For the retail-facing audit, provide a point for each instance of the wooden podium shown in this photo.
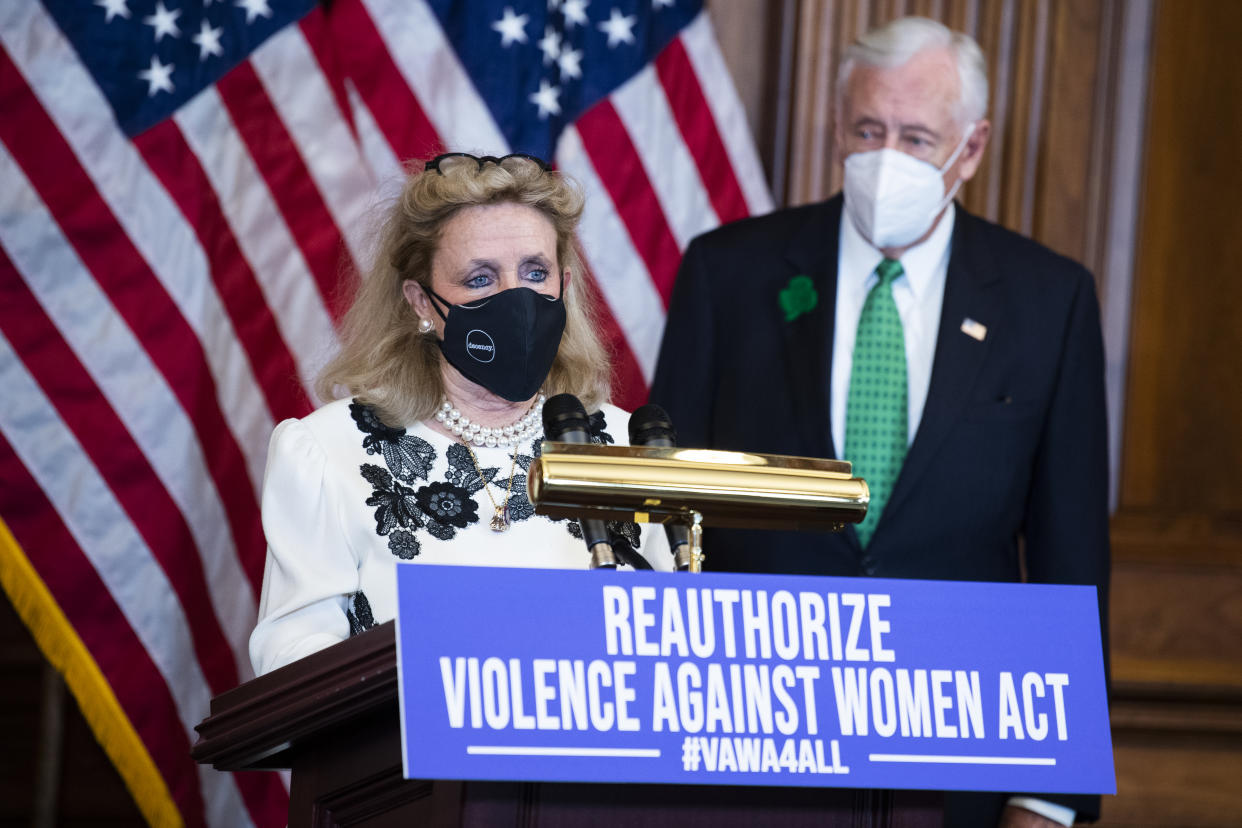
(332, 719)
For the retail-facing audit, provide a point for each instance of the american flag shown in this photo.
(182, 186)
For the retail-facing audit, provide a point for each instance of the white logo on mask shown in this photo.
(892, 197)
(480, 346)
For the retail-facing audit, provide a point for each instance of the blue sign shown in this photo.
(549, 675)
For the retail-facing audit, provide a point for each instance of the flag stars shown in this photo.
(164, 22)
(113, 8)
(570, 63)
(512, 27)
(547, 99)
(254, 9)
(575, 12)
(550, 45)
(619, 28)
(158, 77)
(208, 41)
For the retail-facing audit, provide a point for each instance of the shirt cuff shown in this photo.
(1049, 810)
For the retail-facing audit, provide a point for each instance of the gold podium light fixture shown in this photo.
(727, 488)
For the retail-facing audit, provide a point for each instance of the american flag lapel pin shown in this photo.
(973, 329)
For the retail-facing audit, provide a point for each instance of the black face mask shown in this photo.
(506, 342)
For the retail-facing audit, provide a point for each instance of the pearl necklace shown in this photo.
(511, 435)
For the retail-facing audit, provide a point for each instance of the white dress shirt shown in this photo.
(918, 293)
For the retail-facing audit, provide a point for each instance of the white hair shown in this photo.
(893, 44)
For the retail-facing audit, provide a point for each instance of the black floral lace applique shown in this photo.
(370, 424)
(448, 504)
(359, 614)
(408, 458)
(520, 507)
(402, 507)
(596, 426)
(396, 506)
(626, 529)
(462, 471)
(618, 531)
(439, 508)
(404, 545)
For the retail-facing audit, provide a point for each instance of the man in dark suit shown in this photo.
(958, 365)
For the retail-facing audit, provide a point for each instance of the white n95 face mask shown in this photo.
(892, 197)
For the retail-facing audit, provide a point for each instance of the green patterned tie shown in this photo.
(875, 416)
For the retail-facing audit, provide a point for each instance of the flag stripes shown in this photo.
(412, 37)
(297, 88)
(712, 76)
(121, 376)
(631, 296)
(690, 112)
(167, 298)
(64, 93)
(620, 169)
(297, 199)
(317, 32)
(132, 289)
(289, 286)
(389, 99)
(652, 124)
(123, 467)
(169, 157)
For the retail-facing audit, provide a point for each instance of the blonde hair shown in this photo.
(385, 361)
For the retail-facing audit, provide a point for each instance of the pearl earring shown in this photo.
(425, 325)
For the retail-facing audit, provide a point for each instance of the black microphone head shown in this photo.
(650, 426)
(562, 414)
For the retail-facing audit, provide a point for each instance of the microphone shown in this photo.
(565, 421)
(650, 426)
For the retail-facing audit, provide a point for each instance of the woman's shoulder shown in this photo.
(350, 418)
(310, 441)
(329, 415)
(344, 425)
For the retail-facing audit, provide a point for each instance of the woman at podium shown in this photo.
(472, 315)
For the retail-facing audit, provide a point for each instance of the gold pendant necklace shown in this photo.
(500, 516)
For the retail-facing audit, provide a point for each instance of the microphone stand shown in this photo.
(690, 557)
(602, 556)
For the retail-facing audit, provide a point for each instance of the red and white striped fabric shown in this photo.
(166, 299)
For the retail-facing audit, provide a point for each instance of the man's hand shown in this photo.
(1015, 817)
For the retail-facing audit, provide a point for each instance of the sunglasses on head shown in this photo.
(450, 158)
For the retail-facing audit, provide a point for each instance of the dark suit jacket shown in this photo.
(1012, 443)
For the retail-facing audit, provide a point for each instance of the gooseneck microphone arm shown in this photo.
(650, 426)
(565, 421)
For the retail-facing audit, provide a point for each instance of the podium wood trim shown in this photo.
(254, 726)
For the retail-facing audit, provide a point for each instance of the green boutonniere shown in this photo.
(798, 297)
